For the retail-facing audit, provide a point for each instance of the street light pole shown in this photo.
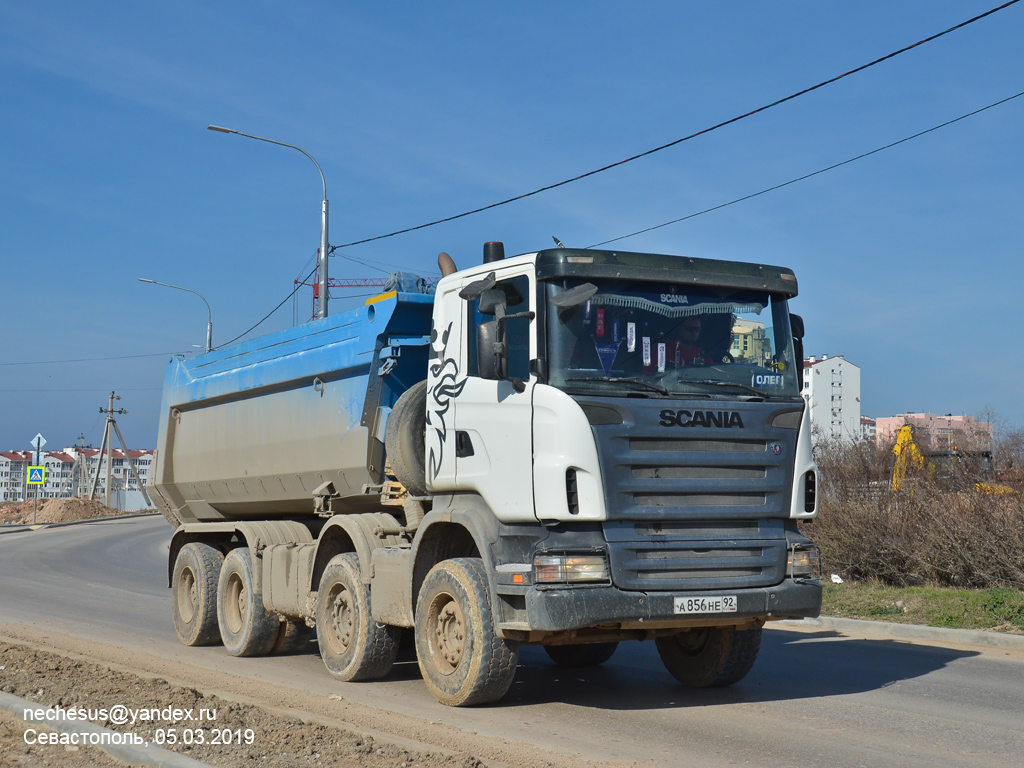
(321, 310)
(209, 314)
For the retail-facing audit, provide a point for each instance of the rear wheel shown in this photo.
(292, 637)
(194, 594)
(590, 655)
(710, 657)
(352, 645)
(462, 659)
(246, 627)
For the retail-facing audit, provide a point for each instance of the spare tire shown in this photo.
(406, 439)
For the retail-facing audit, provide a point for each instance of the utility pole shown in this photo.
(109, 430)
(75, 485)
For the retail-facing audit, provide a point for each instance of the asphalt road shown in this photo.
(813, 699)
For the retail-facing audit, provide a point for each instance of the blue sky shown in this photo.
(909, 261)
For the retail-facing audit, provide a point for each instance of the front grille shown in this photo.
(696, 508)
(699, 499)
(656, 556)
(686, 444)
(657, 472)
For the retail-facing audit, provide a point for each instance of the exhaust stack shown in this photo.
(493, 251)
(446, 264)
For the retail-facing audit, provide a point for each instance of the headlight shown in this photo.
(803, 562)
(570, 569)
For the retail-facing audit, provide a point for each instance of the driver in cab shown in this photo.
(686, 349)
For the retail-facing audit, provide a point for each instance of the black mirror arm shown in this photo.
(519, 316)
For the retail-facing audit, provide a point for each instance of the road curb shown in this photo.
(40, 526)
(152, 755)
(912, 632)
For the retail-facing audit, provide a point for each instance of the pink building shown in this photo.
(937, 433)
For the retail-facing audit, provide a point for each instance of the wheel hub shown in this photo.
(342, 620)
(188, 595)
(450, 634)
(236, 604)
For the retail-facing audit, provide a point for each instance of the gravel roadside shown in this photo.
(233, 735)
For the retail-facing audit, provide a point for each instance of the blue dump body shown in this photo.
(251, 430)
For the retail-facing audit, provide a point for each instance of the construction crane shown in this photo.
(346, 282)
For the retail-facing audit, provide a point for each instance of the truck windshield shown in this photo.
(669, 339)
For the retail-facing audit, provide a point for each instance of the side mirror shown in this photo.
(490, 361)
(490, 301)
(575, 296)
(796, 324)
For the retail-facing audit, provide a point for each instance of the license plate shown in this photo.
(723, 604)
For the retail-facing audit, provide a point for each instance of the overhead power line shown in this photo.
(271, 312)
(91, 359)
(97, 389)
(809, 175)
(715, 127)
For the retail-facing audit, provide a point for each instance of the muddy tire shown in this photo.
(590, 655)
(292, 637)
(710, 657)
(246, 627)
(352, 645)
(406, 439)
(194, 594)
(461, 658)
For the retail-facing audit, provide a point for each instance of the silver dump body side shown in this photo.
(251, 430)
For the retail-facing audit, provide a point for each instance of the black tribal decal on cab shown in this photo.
(445, 371)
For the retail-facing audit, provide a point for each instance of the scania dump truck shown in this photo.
(569, 448)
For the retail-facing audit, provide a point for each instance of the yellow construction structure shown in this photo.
(906, 453)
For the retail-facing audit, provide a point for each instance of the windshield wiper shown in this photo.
(717, 383)
(650, 386)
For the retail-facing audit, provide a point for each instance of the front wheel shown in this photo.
(352, 645)
(461, 658)
(710, 657)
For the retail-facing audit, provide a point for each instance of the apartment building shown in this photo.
(938, 434)
(70, 472)
(832, 392)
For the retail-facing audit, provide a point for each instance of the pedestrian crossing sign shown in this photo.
(36, 475)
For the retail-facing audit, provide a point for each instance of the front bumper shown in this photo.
(554, 609)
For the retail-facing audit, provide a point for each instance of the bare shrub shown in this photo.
(938, 529)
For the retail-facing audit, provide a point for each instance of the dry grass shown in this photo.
(935, 531)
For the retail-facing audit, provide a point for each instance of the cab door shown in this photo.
(493, 422)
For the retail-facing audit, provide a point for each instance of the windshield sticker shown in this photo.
(615, 331)
(631, 337)
(607, 356)
(661, 357)
(647, 350)
(586, 313)
(599, 328)
(768, 380)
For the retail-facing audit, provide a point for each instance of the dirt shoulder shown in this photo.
(15, 753)
(54, 511)
(246, 735)
(291, 728)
